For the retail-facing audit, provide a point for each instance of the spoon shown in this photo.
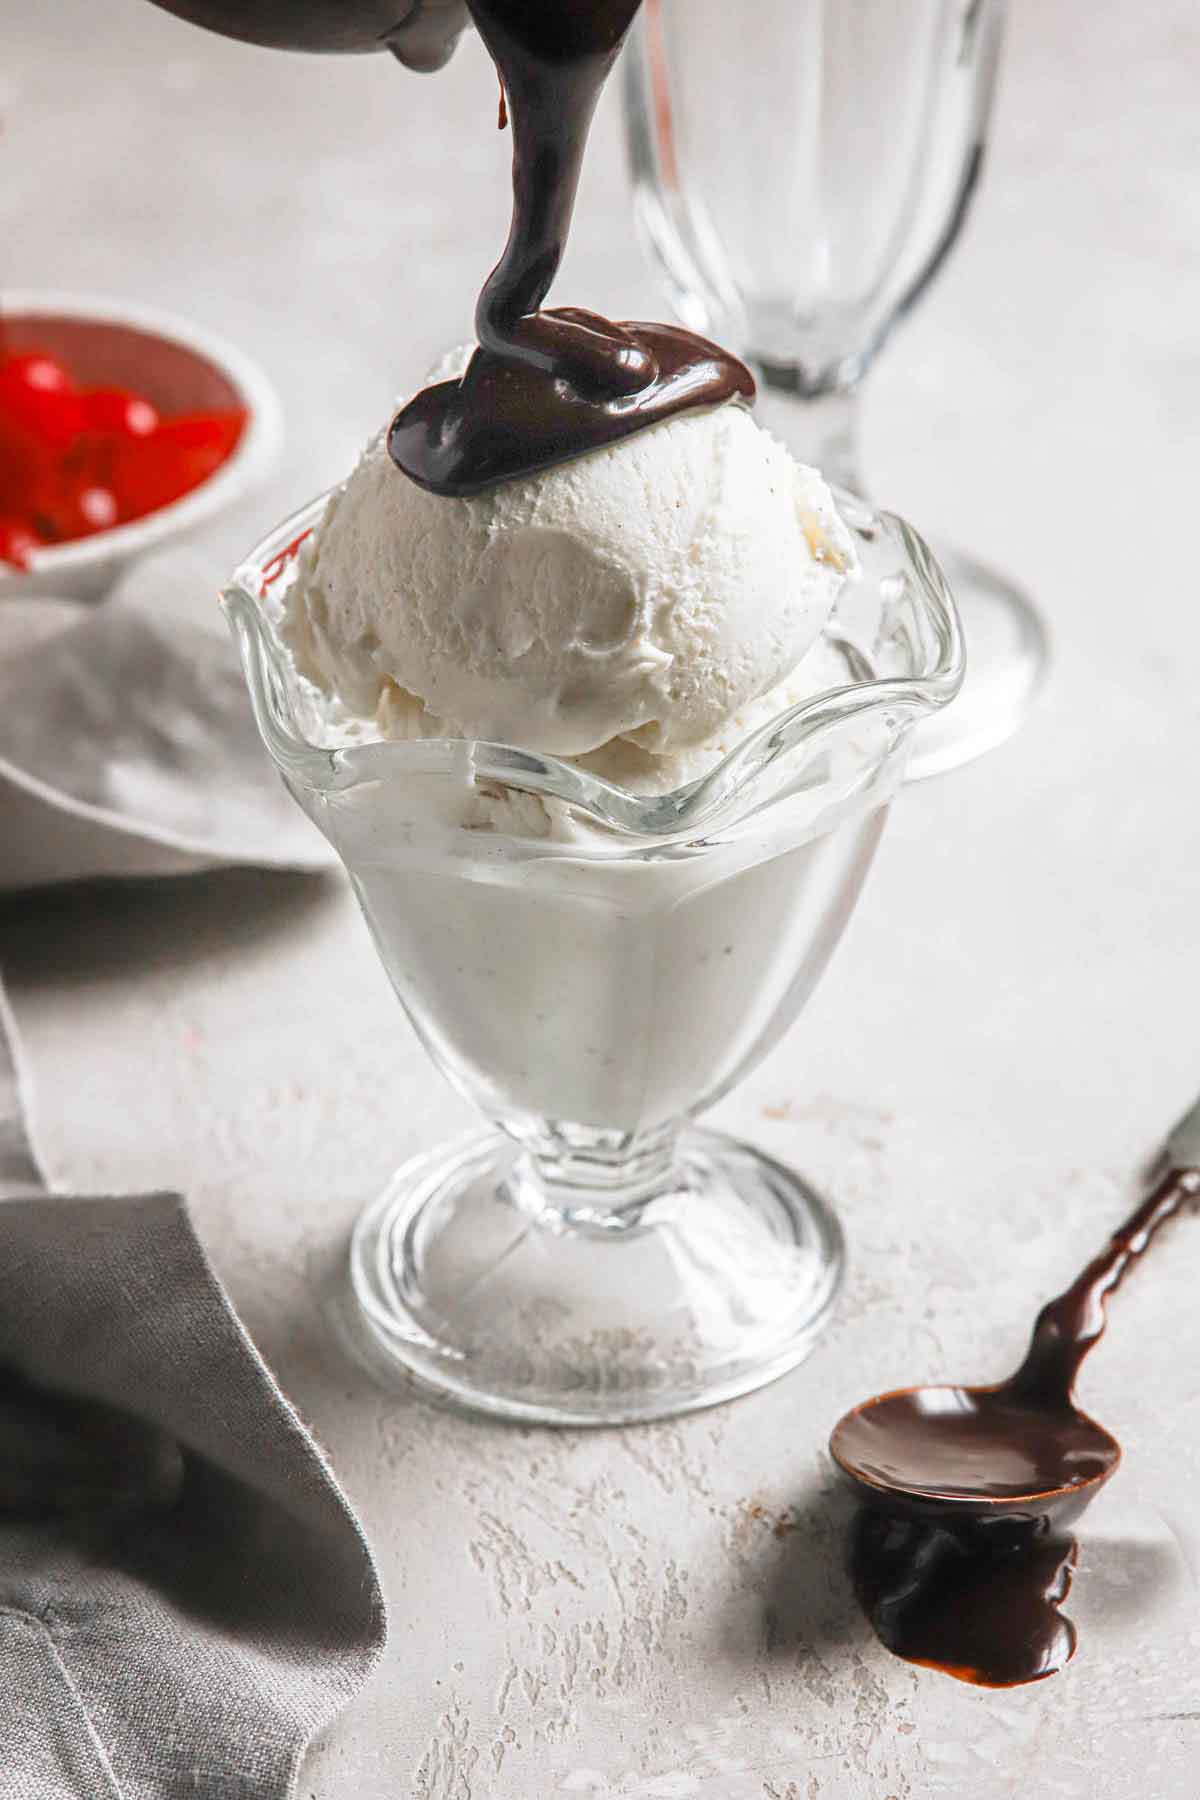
(961, 1554)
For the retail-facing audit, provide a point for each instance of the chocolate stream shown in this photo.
(547, 386)
(544, 386)
(1070, 1325)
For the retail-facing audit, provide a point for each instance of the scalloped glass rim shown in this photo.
(936, 652)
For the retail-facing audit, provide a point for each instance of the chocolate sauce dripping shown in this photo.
(962, 1553)
(979, 1602)
(545, 386)
(1070, 1325)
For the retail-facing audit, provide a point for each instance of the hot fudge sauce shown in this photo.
(543, 386)
(962, 1553)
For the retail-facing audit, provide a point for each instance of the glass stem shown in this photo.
(575, 1178)
(820, 429)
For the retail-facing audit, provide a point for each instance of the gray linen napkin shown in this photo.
(185, 1596)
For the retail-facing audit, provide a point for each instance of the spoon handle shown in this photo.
(1069, 1325)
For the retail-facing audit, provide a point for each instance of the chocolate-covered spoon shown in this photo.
(961, 1553)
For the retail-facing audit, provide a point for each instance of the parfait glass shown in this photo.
(594, 967)
(801, 170)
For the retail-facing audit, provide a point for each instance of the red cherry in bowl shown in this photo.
(38, 402)
(85, 450)
(115, 412)
(152, 471)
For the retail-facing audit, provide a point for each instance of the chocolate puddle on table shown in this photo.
(963, 1552)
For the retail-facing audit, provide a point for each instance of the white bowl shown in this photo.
(179, 367)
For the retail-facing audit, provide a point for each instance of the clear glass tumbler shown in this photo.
(594, 967)
(801, 170)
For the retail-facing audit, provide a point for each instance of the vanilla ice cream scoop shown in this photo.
(647, 591)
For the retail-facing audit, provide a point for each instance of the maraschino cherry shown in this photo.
(76, 461)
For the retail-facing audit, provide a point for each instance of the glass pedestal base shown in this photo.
(1007, 656)
(715, 1285)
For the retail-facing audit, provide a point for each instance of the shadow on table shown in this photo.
(115, 928)
(1123, 1581)
(795, 1603)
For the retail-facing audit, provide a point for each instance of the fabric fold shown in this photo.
(190, 1630)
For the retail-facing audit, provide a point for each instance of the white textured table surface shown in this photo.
(1011, 1022)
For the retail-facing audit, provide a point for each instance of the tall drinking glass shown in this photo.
(801, 170)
